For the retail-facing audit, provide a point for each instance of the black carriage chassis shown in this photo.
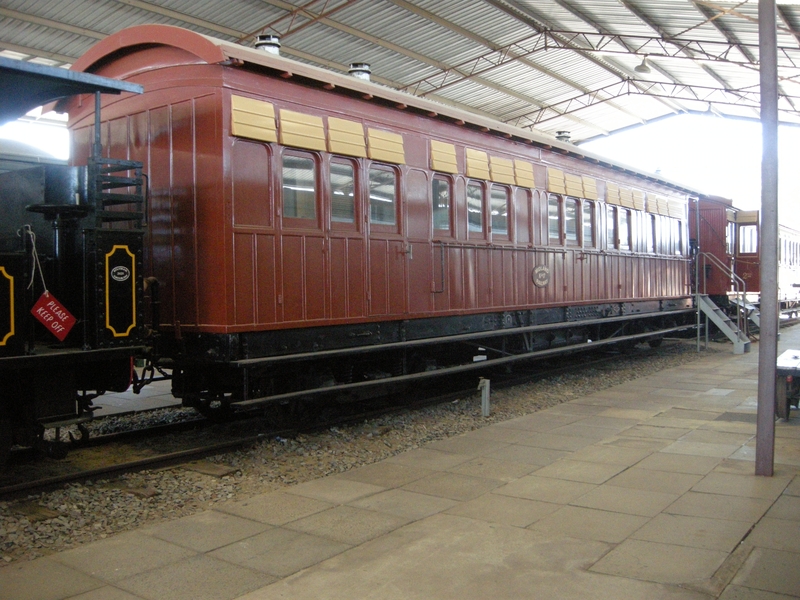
(233, 368)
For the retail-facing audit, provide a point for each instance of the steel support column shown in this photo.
(768, 343)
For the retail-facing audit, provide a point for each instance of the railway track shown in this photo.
(168, 445)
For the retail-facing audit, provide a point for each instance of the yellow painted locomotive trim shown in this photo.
(11, 304)
(133, 291)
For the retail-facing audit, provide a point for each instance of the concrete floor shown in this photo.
(643, 491)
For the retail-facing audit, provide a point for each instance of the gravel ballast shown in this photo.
(79, 513)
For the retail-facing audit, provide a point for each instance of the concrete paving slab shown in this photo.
(655, 481)
(624, 500)
(528, 455)
(453, 486)
(451, 558)
(674, 463)
(205, 531)
(634, 414)
(196, 578)
(106, 593)
(385, 474)
(585, 431)
(552, 441)
(697, 532)
(701, 449)
(709, 436)
(590, 524)
(422, 458)
(612, 455)
(676, 423)
(729, 484)
(348, 525)
(793, 489)
(280, 552)
(604, 421)
(577, 470)
(275, 508)
(43, 579)
(336, 490)
(645, 430)
(496, 508)
(575, 408)
(123, 555)
(545, 489)
(771, 571)
(541, 422)
(490, 468)
(650, 445)
(663, 563)
(735, 592)
(405, 504)
(785, 507)
(719, 506)
(778, 534)
(467, 444)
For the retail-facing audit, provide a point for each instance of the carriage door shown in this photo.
(387, 248)
(747, 259)
(418, 257)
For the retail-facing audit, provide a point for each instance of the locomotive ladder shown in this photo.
(106, 178)
(741, 343)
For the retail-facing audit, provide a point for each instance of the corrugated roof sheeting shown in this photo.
(478, 44)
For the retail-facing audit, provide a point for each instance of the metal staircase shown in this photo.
(750, 311)
(741, 343)
(736, 332)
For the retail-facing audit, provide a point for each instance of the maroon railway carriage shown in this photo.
(311, 230)
(729, 253)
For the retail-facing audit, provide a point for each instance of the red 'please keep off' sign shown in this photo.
(50, 313)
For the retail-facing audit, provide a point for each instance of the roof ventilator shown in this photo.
(268, 43)
(360, 70)
(563, 136)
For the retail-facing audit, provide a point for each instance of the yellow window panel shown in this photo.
(612, 193)
(346, 137)
(731, 216)
(638, 199)
(663, 206)
(747, 216)
(477, 164)
(253, 119)
(302, 131)
(555, 181)
(443, 157)
(502, 170)
(524, 174)
(589, 188)
(573, 185)
(677, 209)
(652, 204)
(386, 146)
(626, 197)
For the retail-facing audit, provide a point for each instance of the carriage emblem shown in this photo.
(540, 275)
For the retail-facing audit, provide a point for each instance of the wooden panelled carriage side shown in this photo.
(314, 231)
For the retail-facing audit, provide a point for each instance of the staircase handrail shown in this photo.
(739, 285)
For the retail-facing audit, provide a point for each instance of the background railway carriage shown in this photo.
(312, 230)
(729, 254)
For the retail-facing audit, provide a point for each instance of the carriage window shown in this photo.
(475, 207)
(651, 228)
(441, 203)
(571, 220)
(624, 229)
(342, 192)
(748, 239)
(677, 236)
(553, 219)
(382, 196)
(499, 211)
(730, 236)
(588, 224)
(611, 227)
(299, 188)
